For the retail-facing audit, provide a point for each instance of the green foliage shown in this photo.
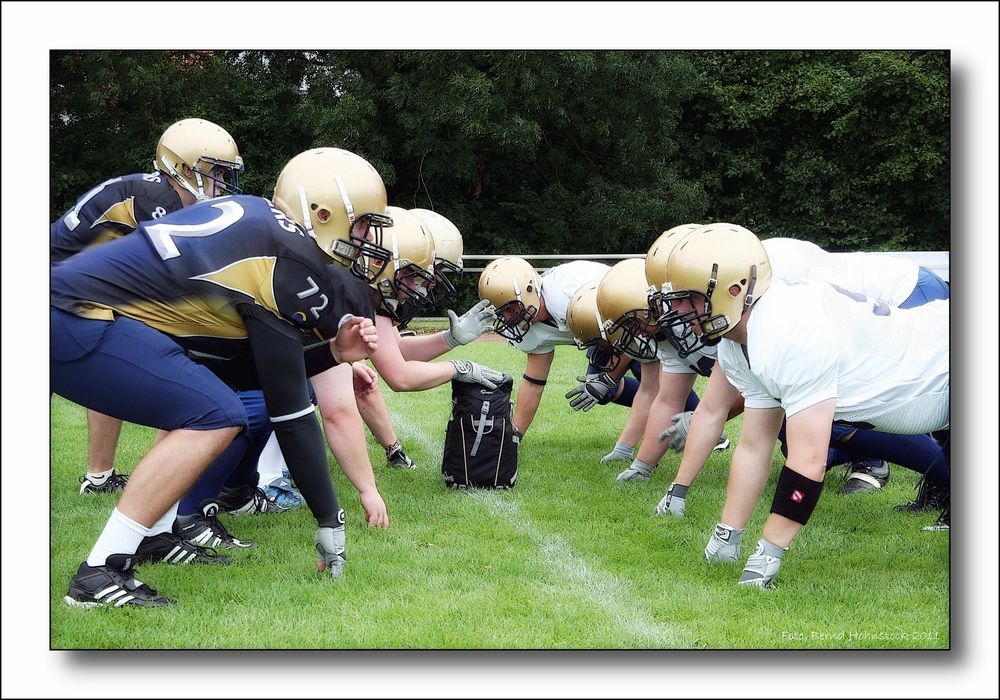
(554, 151)
(567, 559)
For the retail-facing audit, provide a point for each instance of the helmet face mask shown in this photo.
(622, 301)
(634, 335)
(363, 250)
(678, 323)
(513, 320)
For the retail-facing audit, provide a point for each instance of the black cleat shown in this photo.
(171, 549)
(205, 530)
(115, 482)
(247, 500)
(942, 524)
(113, 585)
(931, 495)
(395, 457)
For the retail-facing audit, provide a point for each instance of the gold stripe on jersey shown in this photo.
(210, 316)
(106, 235)
(121, 213)
(251, 276)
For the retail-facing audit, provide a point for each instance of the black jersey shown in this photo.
(188, 273)
(111, 210)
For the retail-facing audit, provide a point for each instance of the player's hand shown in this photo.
(375, 510)
(365, 379)
(673, 502)
(355, 340)
(678, 432)
(470, 325)
(594, 388)
(621, 453)
(474, 373)
(331, 551)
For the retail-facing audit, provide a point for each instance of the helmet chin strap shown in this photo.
(199, 195)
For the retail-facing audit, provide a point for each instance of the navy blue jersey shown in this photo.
(111, 210)
(193, 273)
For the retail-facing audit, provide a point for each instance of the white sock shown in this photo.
(270, 463)
(121, 535)
(166, 523)
(98, 478)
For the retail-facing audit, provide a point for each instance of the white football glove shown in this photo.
(678, 432)
(592, 390)
(331, 550)
(473, 373)
(470, 325)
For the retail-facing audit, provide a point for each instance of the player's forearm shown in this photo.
(423, 347)
(416, 376)
(529, 396)
(638, 417)
(345, 434)
(703, 436)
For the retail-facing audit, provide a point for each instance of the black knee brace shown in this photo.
(796, 496)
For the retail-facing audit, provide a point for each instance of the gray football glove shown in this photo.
(673, 502)
(637, 471)
(592, 390)
(724, 544)
(621, 453)
(473, 373)
(331, 552)
(678, 432)
(470, 325)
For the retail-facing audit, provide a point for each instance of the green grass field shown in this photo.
(568, 559)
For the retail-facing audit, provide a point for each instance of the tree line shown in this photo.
(553, 151)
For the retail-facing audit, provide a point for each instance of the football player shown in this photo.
(531, 314)
(210, 280)
(895, 282)
(195, 160)
(814, 353)
(622, 300)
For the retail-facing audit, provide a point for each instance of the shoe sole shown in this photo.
(90, 605)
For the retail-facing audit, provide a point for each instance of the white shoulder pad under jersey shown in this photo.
(883, 277)
(559, 284)
(698, 362)
(809, 341)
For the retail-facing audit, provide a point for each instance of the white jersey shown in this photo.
(559, 284)
(809, 341)
(883, 277)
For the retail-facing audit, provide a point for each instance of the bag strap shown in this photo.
(481, 429)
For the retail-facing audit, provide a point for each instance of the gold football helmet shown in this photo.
(724, 268)
(447, 255)
(207, 149)
(656, 263)
(340, 200)
(622, 302)
(403, 282)
(515, 290)
(587, 326)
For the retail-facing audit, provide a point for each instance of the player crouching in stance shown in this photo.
(212, 280)
(806, 350)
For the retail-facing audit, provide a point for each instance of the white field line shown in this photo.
(601, 588)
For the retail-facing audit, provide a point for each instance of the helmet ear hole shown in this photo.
(323, 215)
(735, 289)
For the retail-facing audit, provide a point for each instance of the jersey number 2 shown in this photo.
(162, 235)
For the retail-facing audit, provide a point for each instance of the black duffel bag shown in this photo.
(480, 447)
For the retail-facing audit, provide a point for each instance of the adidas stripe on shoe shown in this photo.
(96, 586)
(171, 549)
